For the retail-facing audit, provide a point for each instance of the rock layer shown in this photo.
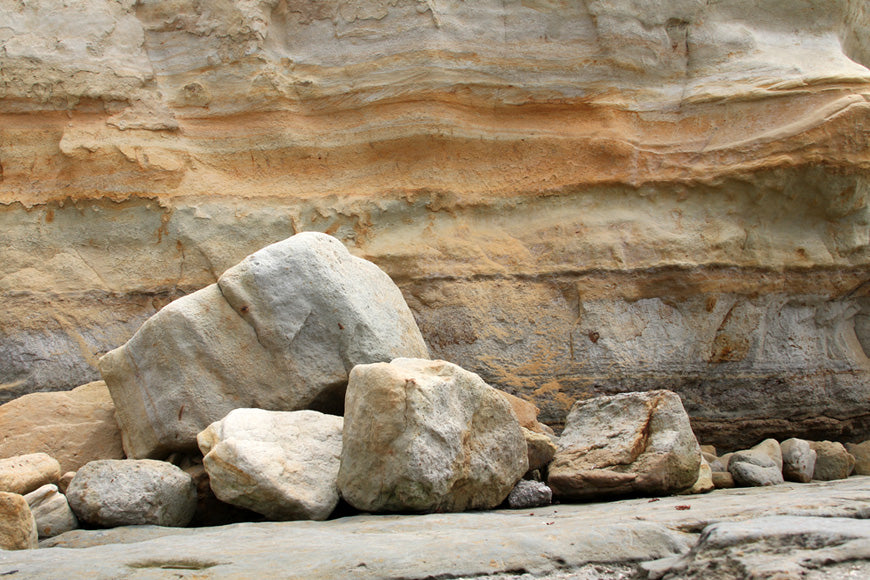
(575, 198)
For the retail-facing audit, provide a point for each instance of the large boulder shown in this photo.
(17, 526)
(631, 443)
(24, 473)
(51, 511)
(281, 331)
(283, 465)
(127, 492)
(74, 427)
(427, 436)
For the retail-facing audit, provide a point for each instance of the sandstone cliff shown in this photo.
(575, 197)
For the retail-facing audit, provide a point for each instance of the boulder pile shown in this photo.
(300, 380)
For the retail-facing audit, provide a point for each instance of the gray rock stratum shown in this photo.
(575, 198)
(542, 541)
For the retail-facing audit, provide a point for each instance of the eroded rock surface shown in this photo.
(17, 526)
(25, 473)
(630, 443)
(51, 511)
(569, 195)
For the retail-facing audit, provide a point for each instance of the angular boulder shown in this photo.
(24, 473)
(427, 436)
(761, 465)
(17, 526)
(832, 461)
(51, 511)
(631, 443)
(280, 331)
(798, 460)
(74, 427)
(283, 465)
(128, 492)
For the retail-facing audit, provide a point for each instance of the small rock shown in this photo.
(705, 480)
(832, 461)
(798, 460)
(74, 427)
(121, 492)
(51, 511)
(761, 465)
(861, 453)
(709, 449)
(721, 463)
(723, 479)
(283, 465)
(25, 473)
(527, 413)
(427, 436)
(628, 443)
(65, 480)
(530, 494)
(540, 447)
(17, 526)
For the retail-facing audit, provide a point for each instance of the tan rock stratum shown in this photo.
(575, 197)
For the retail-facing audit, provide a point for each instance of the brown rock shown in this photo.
(17, 526)
(527, 414)
(25, 473)
(861, 453)
(74, 427)
(722, 479)
(832, 460)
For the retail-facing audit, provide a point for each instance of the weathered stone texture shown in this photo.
(575, 198)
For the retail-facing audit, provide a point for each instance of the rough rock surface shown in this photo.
(704, 482)
(541, 449)
(51, 511)
(427, 436)
(529, 494)
(568, 194)
(760, 465)
(798, 460)
(73, 427)
(24, 473)
(544, 541)
(832, 460)
(861, 453)
(280, 330)
(283, 465)
(628, 443)
(17, 526)
(775, 547)
(114, 492)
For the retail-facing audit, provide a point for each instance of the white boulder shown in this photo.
(283, 465)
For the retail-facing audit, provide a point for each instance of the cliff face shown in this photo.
(575, 197)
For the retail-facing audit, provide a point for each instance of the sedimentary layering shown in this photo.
(575, 197)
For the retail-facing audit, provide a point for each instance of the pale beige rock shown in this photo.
(541, 449)
(832, 460)
(65, 480)
(722, 479)
(704, 483)
(861, 453)
(280, 331)
(17, 526)
(51, 511)
(627, 443)
(283, 465)
(799, 460)
(73, 427)
(25, 473)
(568, 194)
(427, 436)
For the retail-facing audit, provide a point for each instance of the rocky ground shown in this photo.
(816, 530)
